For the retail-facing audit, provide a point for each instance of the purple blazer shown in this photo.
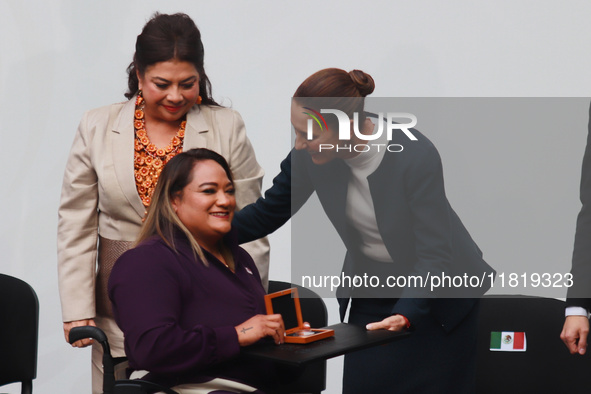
(178, 315)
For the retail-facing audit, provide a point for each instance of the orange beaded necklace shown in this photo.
(148, 159)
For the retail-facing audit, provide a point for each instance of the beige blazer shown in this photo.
(99, 194)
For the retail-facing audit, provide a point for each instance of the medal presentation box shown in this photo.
(287, 304)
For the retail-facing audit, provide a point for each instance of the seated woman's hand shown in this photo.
(261, 326)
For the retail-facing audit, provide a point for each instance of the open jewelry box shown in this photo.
(287, 304)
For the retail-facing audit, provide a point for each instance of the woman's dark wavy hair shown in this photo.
(167, 37)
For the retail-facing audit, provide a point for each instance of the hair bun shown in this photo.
(363, 81)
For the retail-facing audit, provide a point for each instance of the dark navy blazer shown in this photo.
(420, 230)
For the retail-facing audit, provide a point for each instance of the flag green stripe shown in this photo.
(495, 340)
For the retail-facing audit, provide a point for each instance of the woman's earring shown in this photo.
(199, 99)
(139, 93)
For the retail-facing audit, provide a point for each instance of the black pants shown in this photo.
(428, 361)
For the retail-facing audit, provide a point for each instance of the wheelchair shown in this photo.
(110, 385)
(308, 379)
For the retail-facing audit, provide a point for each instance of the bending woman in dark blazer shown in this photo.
(391, 211)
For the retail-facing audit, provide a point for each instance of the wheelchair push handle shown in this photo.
(78, 333)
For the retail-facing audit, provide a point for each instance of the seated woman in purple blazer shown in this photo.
(187, 297)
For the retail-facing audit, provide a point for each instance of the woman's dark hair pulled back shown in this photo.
(169, 37)
(335, 82)
(343, 90)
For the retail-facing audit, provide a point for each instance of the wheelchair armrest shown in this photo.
(139, 387)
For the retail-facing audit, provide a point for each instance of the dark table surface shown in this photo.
(347, 338)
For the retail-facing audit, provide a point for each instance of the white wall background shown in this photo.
(60, 58)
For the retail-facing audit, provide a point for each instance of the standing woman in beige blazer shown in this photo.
(117, 156)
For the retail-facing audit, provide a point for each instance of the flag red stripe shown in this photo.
(518, 341)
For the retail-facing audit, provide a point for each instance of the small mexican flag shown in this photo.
(507, 341)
